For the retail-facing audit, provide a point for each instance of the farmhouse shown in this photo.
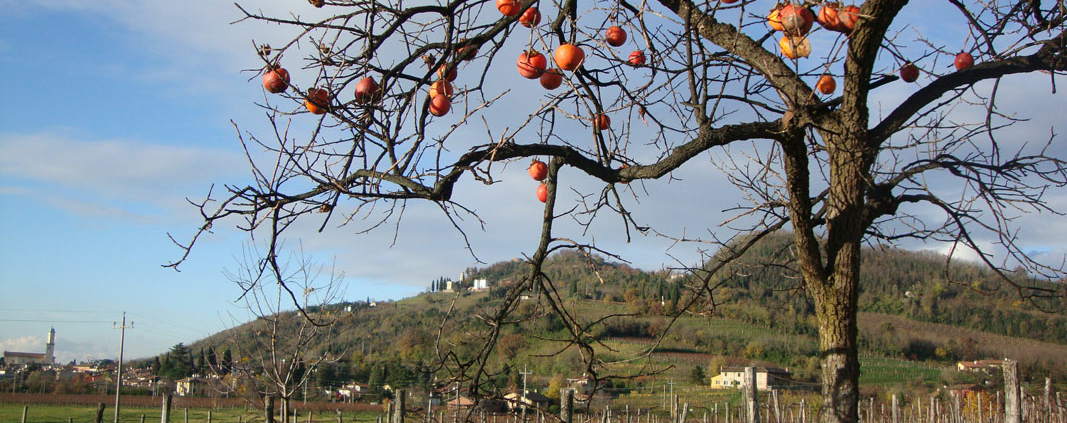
(530, 400)
(197, 386)
(352, 391)
(766, 378)
(985, 366)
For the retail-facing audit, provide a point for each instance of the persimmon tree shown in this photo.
(837, 167)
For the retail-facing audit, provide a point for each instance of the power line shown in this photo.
(57, 311)
(55, 321)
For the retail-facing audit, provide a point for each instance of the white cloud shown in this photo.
(81, 350)
(28, 343)
(107, 177)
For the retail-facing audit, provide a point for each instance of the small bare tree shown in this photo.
(277, 353)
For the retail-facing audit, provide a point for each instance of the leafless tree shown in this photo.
(831, 168)
(277, 353)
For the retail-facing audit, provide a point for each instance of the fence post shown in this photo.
(339, 418)
(896, 410)
(400, 402)
(164, 416)
(268, 409)
(25, 411)
(751, 401)
(100, 412)
(980, 411)
(777, 408)
(566, 406)
(1012, 404)
(1048, 399)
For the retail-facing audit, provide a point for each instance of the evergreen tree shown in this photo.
(164, 367)
(180, 363)
(227, 361)
(697, 375)
(199, 363)
(212, 360)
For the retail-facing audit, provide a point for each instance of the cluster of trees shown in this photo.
(181, 362)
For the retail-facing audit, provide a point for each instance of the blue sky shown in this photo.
(116, 111)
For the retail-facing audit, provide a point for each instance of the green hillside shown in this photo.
(916, 321)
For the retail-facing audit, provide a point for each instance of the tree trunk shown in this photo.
(840, 363)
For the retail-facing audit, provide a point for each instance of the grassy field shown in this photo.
(42, 413)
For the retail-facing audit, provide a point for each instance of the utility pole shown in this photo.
(122, 345)
(522, 399)
(673, 401)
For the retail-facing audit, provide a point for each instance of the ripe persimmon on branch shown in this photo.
(403, 86)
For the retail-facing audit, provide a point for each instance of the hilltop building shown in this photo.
(47, 358)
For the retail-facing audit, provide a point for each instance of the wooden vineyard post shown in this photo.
(777, 408)
(164, 416)
(100, 412)
(896, 410)
(980, 411)
(268, 409)
(566, 406)
(751, 401)
(1060, 408)
(1012, 403)
(401, 402)
(1048, 399)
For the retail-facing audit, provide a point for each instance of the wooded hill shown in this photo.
(913, 311)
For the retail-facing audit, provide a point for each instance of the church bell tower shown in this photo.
(50, 347)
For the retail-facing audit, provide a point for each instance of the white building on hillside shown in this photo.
(766, 378)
